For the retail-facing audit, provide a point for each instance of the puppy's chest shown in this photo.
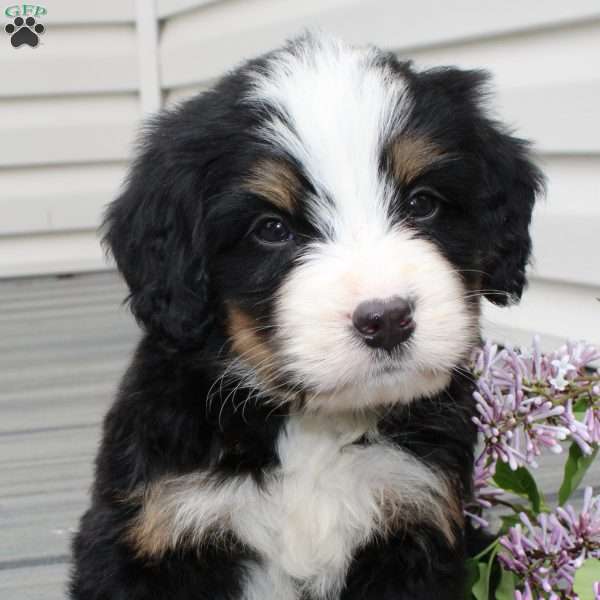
(331, 494)
(337, 486)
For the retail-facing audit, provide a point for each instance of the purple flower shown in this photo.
(516, 427)
(579, 431)
(562, 367)
(591, 420)
(546, 553)
(525, 400)
(529, 402)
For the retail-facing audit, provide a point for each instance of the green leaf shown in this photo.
(481, 589)
(506, 586)
(485, 551)
(472, 569)
(519, 482)
(576, 466)
(585, 577)
(580, 407)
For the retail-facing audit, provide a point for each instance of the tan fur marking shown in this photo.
(157, 527)
(455, 519)
(276, 182)
(411, 155)
(150, 531)
(247, 343)
(445, 513)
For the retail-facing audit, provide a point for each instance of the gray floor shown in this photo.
(63, 346)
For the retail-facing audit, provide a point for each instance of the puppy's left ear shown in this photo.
(511, 183)
(155, 232)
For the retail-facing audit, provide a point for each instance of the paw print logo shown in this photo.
(24, 32)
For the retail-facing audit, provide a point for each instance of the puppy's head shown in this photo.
(335, 216)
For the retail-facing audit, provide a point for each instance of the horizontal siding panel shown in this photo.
(67, 129)
(573, 184)
(566, 224)
(73, 60)
(200, 45)
(58, 198)
(555, 310)
(66, 252)
(397, 25)
(561, 119)
(564, 55)
(168, 8)
(74, 12)
(566, 247)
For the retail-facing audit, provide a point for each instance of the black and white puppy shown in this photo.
(306, 246)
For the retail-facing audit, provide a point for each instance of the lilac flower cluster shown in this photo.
(546, 553)
(529, 401)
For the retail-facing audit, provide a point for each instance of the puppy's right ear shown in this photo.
(155, 232)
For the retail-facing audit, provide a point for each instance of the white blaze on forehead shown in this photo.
(340, 106)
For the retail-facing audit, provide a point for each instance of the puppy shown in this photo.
(306, 246)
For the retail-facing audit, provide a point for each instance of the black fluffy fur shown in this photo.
(177, 233)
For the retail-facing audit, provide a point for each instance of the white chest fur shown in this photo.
(328, 498)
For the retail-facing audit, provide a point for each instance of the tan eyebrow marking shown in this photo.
(275, 181)
(411, 155)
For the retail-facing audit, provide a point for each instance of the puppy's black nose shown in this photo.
(384, 323)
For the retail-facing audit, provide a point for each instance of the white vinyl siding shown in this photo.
(69, 110)
(69, 114)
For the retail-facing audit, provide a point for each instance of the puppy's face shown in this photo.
(337, 216)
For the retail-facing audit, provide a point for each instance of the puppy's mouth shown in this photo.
(385, 362)
(382, 372)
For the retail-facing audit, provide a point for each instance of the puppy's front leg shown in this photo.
(412, 565)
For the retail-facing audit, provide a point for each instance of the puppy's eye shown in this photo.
(273, 231)
(423, 205)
